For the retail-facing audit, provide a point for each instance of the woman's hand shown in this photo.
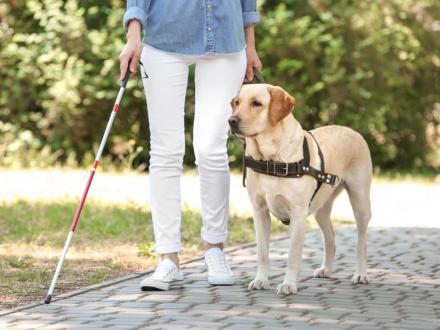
(253, 61)
(132, 50)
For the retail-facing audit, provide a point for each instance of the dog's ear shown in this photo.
(281, 104)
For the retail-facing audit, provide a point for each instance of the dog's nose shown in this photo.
(233, 121)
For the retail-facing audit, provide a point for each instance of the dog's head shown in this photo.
(258, 107)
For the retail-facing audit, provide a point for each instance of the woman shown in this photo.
(218, 37)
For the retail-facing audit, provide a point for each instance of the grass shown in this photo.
(111, 240)
(426, 175)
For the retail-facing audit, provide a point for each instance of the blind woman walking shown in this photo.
(218, 38)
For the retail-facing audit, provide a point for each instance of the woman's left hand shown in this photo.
(253, 61)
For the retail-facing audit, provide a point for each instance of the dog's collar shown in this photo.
(293, 169)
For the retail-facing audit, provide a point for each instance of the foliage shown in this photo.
(371, 65)
(59, 71)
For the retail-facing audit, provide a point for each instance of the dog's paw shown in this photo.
(322, 272)
(258, 284)
(286, 288)
(359, 278)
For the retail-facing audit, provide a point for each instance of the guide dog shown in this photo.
(262, 115)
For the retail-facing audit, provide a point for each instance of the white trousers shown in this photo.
(218, 79)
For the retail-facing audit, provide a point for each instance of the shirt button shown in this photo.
(209, 29)
(208, 6)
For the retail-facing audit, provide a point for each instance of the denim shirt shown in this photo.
(193, 27)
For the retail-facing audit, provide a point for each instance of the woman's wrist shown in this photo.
(250, 37)
(250, 47)
(134, 29)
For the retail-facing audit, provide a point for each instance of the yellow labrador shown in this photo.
(262, 114)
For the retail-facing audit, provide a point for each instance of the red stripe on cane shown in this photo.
(116, 107)
(81, 204)
(95, 164)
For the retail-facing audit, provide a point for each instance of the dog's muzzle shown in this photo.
(234, 124)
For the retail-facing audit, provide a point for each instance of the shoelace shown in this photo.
(217, 263)
(162, 271)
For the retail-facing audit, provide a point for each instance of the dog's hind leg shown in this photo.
(359, 195)
(262, 230)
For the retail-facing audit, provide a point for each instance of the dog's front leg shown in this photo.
(262, 230)
(298, 224)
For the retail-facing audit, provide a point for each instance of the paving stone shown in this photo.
(173, 306)
(240, 327)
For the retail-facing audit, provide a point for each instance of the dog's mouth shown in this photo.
(237, 133)
(240, 131)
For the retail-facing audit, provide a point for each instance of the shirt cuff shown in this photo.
(251, 17)
(136, 13)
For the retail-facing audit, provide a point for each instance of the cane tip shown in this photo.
(48, 299)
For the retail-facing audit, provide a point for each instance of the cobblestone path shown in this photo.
(404, 292)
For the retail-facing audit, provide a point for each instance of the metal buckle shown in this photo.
(286, 170)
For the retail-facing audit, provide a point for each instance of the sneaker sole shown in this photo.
(153, 285)
(212, 281)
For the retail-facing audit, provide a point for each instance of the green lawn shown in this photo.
(47, 224)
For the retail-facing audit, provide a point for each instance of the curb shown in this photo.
(77, 292)
(121, 279)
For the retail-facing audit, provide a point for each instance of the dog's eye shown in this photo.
(237, 102)
(256, 104)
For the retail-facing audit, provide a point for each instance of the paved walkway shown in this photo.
(404, 293)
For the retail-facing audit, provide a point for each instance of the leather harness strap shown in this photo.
(321, 158)
(293, 169)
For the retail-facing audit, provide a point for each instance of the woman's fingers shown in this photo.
(123, 59)
(134, 62)
(258, 64)
(253, 61)
(249, 72)
(250, 69)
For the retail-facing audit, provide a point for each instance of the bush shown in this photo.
(59, 73)
(370, 65)
(366, 64)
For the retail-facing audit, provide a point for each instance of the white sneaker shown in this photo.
(166, 273)
(219, 272)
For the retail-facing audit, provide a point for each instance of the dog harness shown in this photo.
(289, 170)
(292, 170)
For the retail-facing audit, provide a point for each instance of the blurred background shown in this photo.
(371, 65)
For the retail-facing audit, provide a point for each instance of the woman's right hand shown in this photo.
(132, 50)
